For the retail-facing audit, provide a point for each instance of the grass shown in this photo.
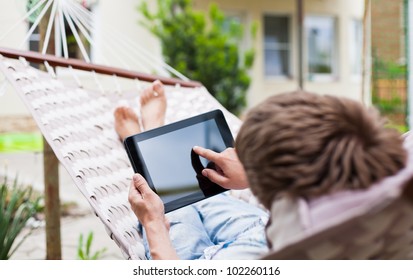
(21, 142)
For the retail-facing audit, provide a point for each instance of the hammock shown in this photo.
(78, 124)
(77, 120)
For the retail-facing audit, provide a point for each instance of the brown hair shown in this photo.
(304, 144)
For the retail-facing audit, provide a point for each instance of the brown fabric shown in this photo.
(306, 145)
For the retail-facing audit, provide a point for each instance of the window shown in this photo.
(321, 47)
(356, 47)
(277, 46)
(34, 43)
(34, 39)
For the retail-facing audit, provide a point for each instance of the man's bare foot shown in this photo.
(153, 106)
(126, 122)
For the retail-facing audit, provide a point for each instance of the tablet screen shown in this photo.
(165, 158)
(168, 158)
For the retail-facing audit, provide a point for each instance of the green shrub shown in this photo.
(204, 48)
(16, 207)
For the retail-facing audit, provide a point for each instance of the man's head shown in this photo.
(303, 144)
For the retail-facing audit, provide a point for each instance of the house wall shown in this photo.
(262, 87)
(11, 13)
(125, 19)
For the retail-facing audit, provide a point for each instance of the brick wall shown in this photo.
(387, 29)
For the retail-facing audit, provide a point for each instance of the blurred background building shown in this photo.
(334, 50)
(332, 43)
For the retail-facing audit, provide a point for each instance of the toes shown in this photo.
(119, 112)
(130, 113)
(145, 95)
(158, 87)
(124, 113)
(155, 90)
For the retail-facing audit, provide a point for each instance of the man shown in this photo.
(295, 145)
(220, 227)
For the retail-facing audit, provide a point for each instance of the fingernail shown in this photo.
(195, 147)
(135, 178)
(205, 173)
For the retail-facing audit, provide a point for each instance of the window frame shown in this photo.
(290, 47)
(323, 77)
(34, 37)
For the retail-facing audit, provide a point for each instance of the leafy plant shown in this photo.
(388, 69)
(31, 4)
(83, 250)
(16, 207)
(204, 48)
(389, 89)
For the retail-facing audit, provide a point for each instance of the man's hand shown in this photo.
(149, 209)
(230, 173)
(145, 203)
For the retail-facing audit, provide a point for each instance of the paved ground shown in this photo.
(29, 167)
(17, 124)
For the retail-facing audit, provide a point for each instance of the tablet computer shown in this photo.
(164, 157)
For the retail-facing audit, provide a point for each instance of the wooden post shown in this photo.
(52, 203)
(51, 174)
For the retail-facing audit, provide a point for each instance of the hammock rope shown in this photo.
(35, 24)
(80, 20)
(26, 16)
(49, 27)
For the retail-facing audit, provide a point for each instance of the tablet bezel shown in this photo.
(138, 163)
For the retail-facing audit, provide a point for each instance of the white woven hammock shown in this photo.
(79, 126)
(77, 120)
